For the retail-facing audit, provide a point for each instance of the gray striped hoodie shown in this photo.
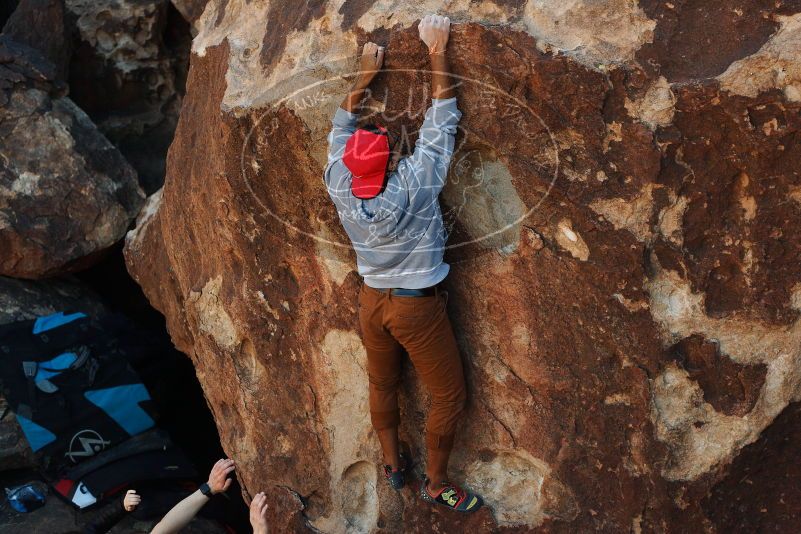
(399, 236)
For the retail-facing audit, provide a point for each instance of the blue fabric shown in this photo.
(48, 322)
(121, 403)
(37, 436)
(60, 363)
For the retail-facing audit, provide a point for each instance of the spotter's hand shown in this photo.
(218, 478)
(131, 500)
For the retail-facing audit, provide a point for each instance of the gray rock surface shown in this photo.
(66, 193)
(128, 74)
(43, 25)
(22, 300)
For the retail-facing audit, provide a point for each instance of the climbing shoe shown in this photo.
(451, 497)
(397, 478)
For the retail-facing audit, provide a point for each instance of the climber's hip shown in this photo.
(392, 323)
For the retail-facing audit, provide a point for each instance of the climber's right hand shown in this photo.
(434, 31)
(370, 62)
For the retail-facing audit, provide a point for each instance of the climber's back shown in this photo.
(393, 219)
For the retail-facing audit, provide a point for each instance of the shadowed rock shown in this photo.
(731, 388)
(128, 73)
(66, 193)
(41, 24)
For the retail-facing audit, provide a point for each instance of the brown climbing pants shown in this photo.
(420, 325)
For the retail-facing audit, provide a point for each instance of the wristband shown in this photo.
(205, 490)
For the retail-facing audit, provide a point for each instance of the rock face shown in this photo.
(42, 24)
(128, 74)
(22, 300)
(66, 192)
(625, 284)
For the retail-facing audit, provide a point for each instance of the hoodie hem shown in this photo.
(409, 281)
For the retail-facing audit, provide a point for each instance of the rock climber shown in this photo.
(389, 207)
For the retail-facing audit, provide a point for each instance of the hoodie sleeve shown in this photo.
(344, 125)
(434, 147)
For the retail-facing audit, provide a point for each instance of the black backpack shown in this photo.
(70, 385)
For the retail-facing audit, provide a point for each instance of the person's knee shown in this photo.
(384, 382)
(452, 406)
(385, 420)
(452, 401)
(455, 393)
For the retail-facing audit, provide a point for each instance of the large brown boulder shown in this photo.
(625, 284)
(66, 193)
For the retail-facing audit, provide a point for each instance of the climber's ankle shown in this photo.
(393, 461)
(435, 481)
